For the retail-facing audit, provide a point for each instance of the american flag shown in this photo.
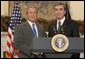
(15, 20)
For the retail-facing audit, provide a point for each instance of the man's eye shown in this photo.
(61, 8)
(56, 9)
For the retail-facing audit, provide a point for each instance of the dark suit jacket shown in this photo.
(23, 37)
(69, 28)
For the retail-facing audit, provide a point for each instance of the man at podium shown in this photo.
(63, 25)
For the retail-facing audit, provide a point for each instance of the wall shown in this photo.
(4, 8)
(76, 10)
(3, 42)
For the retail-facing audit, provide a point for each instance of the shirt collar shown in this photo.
(30, 22)
(62, 20)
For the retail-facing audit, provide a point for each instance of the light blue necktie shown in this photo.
(34, 30)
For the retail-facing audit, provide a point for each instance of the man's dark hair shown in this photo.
(60, 3)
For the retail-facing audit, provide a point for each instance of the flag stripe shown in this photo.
(15, 20)
(8, 44)
(9, 35)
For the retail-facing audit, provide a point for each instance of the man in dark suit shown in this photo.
(63, 25)
(25, 32)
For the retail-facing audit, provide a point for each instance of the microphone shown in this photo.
(54, 29)
(62, 29)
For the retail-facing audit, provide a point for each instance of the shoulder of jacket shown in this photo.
(21, 25)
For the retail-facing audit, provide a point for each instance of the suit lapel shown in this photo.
(65, 24)
(63, 27)
(66, 27)
(38, 28)
(54, 26)
(28, 28)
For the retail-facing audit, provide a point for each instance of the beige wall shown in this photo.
(4, 8)
(76, 9)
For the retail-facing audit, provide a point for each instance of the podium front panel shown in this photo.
(43, 44)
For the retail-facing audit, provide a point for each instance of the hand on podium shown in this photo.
(36, 53)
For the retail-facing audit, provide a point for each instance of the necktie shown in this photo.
(34, 30)
(59, 27)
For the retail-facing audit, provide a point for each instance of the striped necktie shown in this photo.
(34, 30)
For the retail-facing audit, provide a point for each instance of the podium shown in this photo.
(43, 44)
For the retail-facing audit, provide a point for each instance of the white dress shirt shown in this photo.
(30, 23)
(62, 21)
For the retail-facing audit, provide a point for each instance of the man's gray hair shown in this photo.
(31, 6)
